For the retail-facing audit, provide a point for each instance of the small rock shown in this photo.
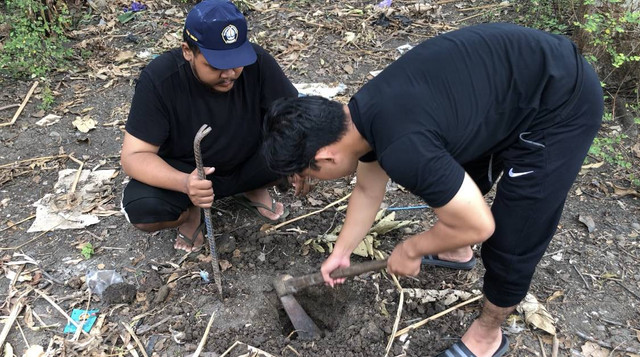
(635, 225)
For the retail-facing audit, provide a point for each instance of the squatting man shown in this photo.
(444, 121)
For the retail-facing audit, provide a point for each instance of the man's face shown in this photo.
(219, 80)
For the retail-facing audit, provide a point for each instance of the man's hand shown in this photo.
(332, 263)
(301, 185)
(200, 191)
(403, 262)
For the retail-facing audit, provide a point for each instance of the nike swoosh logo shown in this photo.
(516, 174)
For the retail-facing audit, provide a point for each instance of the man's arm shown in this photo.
(361, 212)
(463, 221)
(140, 160)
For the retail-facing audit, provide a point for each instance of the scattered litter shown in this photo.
(320, 89)
(404, 48)
(384, 4)
(98, 280)
(48, 120)
(62, 210)
(205, 276)
(135, 7)
(84, 318)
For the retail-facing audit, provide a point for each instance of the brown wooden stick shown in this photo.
(57, 307)
(19, 222)
(12, 318)
(135, 338)
(24, 103)
(204, 337)
(433, 317)
(484, 7)
(271, 229)
(33, 159)
(9, 106)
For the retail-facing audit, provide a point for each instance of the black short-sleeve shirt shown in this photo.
(462, 96)
(170, 105)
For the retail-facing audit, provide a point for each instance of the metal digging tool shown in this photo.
(286, 286)
(204, 130)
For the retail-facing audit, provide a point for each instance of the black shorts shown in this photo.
(142, 203)
(537, 173)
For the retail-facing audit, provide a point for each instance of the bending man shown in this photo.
(444, 121)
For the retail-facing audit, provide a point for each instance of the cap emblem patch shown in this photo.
(230, 34)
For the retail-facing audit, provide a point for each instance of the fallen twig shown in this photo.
(554, 349)
(31, 240)
(57, 307)
(19, 222)
(544, 354)
(12, 318)
(581, 276)
(627, 289)
(490, 6)
(24, 103)
(431, 318)
(204, 337)
(606, 345)
(46, 158)
(252, 349)
(271, 229)
(398, 314)
(135, 338)
(9, 106)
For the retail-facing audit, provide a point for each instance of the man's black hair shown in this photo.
(296, 128)
(192, 45)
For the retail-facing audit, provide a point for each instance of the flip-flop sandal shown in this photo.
(253, 207)
(191, 240)
(459, 349)
(433, 260)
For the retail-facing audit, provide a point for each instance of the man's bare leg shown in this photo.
(484, 335)
(261, 195)
(187, 223)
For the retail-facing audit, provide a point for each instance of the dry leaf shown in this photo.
(348, 68)
(34, 351)
(591, 349)
(595, 165)
(84, 124)
(313, 201)
(588, 221)
(237, 253)
(621, 191)
(224, 264)
(125, 56)
(28, 317)
(349, 36)
(50, 119)
(555, 295)
(636, 149)
(536, 314)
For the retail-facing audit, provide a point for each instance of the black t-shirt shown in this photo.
(462, 96)
(170, 105)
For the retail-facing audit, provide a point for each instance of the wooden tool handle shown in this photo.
(357, 269)
(293, 284)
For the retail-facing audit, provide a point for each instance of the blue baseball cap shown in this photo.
(219, 30)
